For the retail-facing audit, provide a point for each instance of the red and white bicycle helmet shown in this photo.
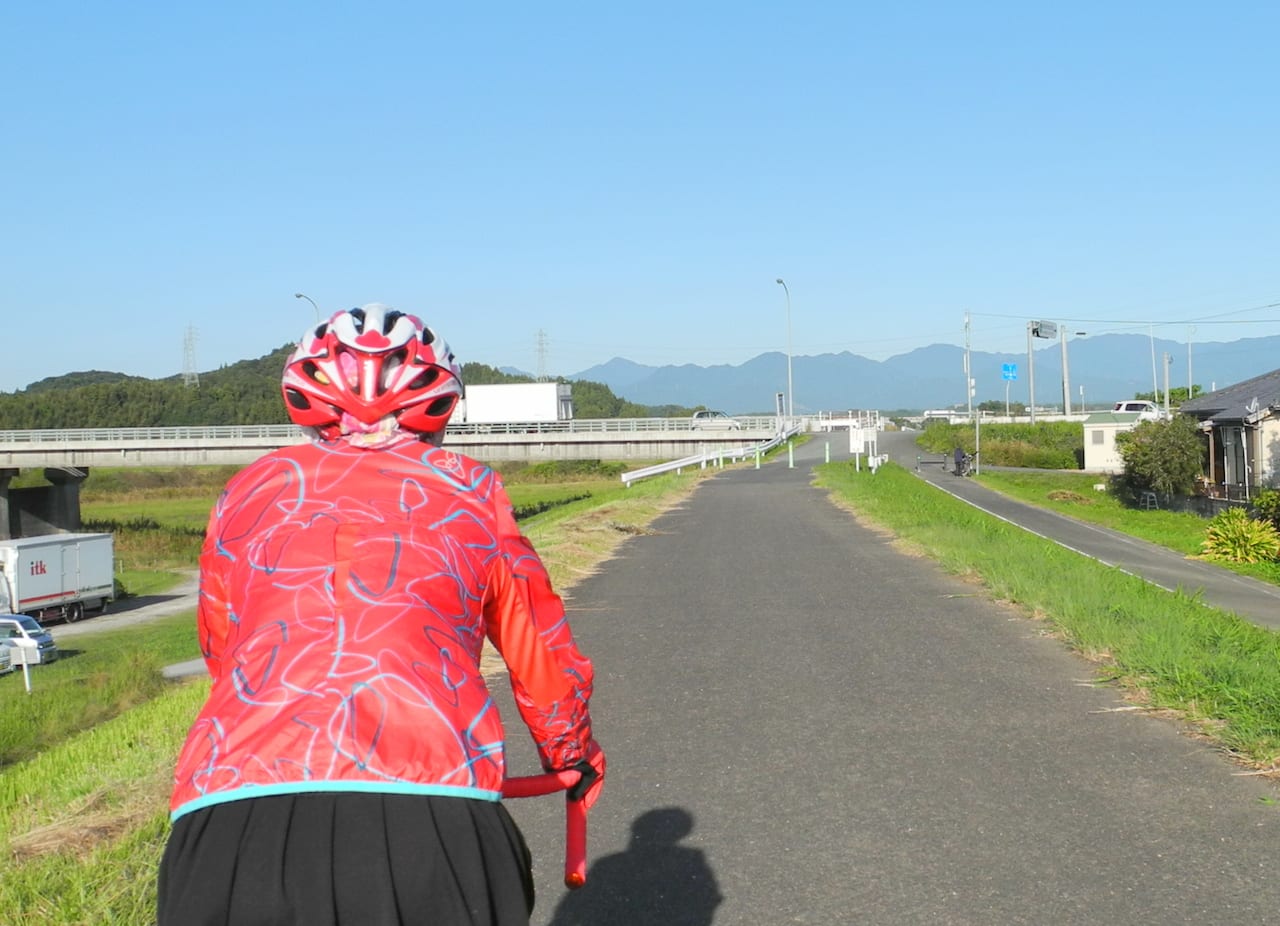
(371, 362)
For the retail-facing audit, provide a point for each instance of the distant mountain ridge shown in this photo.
(1110, 368)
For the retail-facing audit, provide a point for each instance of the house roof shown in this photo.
(1239, 402)
(1116, 418)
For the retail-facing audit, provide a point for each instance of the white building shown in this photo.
(1101, 455)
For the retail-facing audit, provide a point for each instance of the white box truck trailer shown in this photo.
(517, 403)
(57, 575)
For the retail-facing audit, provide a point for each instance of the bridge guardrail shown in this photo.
(702, 459)
(290, 432)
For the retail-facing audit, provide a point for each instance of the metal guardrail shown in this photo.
(290, 432)
(710, 456)
(279, 432)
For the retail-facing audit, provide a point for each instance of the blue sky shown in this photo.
(631, 180)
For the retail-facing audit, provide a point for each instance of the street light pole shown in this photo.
(790, 396)
(309, 299)
(1066, 377)
(1190, 382)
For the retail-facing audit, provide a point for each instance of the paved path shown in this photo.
(806, 726)
(1253, 600)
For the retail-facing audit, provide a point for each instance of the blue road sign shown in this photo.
(1009, 371)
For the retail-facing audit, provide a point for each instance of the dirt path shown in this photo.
(130, 611)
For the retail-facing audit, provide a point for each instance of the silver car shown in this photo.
(714, 421)
(23, 631)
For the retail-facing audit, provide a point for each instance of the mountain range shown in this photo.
(1110, 368)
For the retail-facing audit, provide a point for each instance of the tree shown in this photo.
(1164, 457)
(999, 407)
(1177, 395)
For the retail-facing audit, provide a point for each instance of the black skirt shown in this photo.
(346, 859)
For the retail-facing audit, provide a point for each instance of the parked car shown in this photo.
(6, 657)
(1146, 411)
(36, 642)
(714, 421)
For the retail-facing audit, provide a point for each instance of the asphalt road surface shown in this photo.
(805, 726)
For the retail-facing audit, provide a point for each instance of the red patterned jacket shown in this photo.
(345, 595)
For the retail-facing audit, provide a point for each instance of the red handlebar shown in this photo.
(575, 823)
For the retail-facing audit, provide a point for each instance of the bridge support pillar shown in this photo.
(63, 506)
(6, 518)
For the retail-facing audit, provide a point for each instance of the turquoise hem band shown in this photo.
(331, 787)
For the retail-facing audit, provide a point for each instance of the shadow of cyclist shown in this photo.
(655, 881)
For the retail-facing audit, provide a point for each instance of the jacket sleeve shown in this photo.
(550, 678)
(212, 607)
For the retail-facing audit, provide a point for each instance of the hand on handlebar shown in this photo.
(591, 768)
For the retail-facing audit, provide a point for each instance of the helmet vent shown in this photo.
(425, 378)
(357, 316)
(297, 399)
(441, 405)
(314, 372)
(389, 320)
(393, 362)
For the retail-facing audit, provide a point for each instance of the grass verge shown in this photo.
(1075, 495)
(84, 796)
(1167, 651)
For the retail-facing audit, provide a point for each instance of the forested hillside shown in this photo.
(247, 392)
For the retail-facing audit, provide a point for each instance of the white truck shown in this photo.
(57, 575)
(517, 403)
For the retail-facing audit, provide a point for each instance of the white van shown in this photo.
(35, 642)
(1146, 410)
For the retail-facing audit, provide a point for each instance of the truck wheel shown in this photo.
(75, 611)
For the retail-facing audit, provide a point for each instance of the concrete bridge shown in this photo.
(588, 439)
(67, 455)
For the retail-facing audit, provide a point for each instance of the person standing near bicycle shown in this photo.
(347, 766)
(959, 457)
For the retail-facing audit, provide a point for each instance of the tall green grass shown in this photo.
(82, 824)
(86, 758)
(1168, 650)
(98, 676)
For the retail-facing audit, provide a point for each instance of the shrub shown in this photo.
(1046, 445)
(1162, 456)
(1234, 536)
(1267, 504)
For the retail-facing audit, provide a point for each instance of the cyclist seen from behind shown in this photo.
(347, 766)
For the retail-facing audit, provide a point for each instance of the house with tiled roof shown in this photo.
(1242, 424)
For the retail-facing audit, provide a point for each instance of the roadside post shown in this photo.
(19, 655)
(977, 442)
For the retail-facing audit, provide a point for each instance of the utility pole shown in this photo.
(968, 369)
(1167, 360)
(1066, 378)
(1031, 375)
(1155, 387)
(1190, 382)
(190, 375)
